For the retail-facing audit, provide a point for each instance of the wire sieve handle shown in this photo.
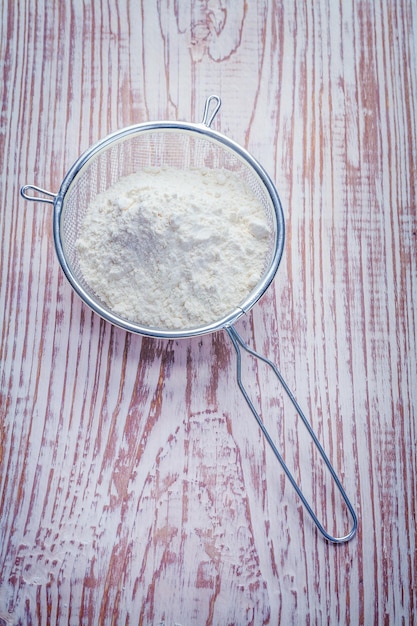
(238, 344)
(36, 198)
(209, 112)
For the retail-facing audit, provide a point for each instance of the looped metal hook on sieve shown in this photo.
(239, 343)
(211, 108)
(40, 193)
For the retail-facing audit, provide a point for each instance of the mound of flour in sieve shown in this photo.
(174, 249)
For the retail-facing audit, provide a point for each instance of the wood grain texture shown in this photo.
(135, 487)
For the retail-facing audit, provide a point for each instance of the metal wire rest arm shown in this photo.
(238, 343)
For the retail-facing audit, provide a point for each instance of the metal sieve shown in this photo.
(184, 146)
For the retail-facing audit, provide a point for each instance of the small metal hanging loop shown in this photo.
(49, 199)
(209, 114)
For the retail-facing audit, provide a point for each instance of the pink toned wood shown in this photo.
(135, 487)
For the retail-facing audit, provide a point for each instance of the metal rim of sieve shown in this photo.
(203, 129)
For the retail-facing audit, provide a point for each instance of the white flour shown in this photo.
(174, 249)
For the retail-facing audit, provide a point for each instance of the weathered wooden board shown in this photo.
(135, 486)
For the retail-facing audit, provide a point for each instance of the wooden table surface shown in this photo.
(135, 485)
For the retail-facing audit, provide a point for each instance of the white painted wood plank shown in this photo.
(135, 486)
